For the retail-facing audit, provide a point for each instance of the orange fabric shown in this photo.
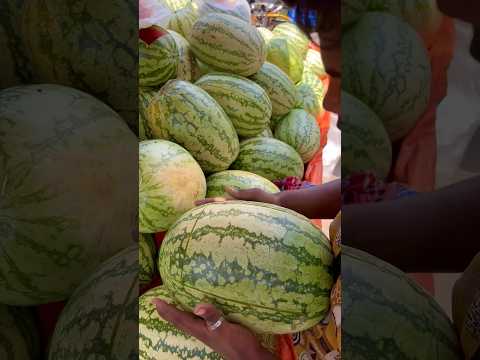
(415, 164)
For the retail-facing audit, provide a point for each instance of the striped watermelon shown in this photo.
(296, 38)
(300, 130)
(238, 8)
(386, 315)
(170, 181)
(158, 56)
(160, 340)
(365, 142)
(145, 96)
(308, 99)
(182, 21)
(239, 179)
(280, 89)
(18, 334)
(195, 121)
(201, 69)
(267, 35)
(154, 116)
(245, 102)
(228, 44)
(88, 45)
(281, 53)
(186, 64)
(393, 80)
(313, 62)
(270, 158)
(265, 133)
(146, 258)
(100, 320)
(56, 232)
(272, 276)
(16, 68)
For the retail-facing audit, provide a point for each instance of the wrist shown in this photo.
(277, 199)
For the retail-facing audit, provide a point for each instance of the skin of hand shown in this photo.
(232, 341)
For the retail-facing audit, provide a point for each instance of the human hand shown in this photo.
(232, 341)
(254, 194)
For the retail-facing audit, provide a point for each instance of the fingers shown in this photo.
(209, 200)
(208, 312)
(182, 320)
(247, 194)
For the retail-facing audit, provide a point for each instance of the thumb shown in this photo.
(245, 194)
(207, 312)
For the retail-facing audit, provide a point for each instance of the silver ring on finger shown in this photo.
(214, 326)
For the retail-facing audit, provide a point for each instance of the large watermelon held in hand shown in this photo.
(88, 45)
(18, 334)
(67, 172)
(170, 181)
(271, 158)
(228, 44)
(365, 142)
(100, 320)
(394, 79)
(158, 56)
(280, 89)
(386, 315)
(238, 179)
(300, 130)
(272, 276)
(196, 121)
(245, 102)
(160, 340)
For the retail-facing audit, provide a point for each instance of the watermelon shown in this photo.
(280, 89)
(154, 116)
(245, 102)
(281, 53)
(272, 276)
(270, 158)
(160, 340)
(228, 44)
(18, 334)
(100, 320)
(265, 133)
(145, 96)
(300, 130)
(89, 45)
(146, 260)
(14, 63)
(186, 64)
(365, 142)
(386, 315)
(423, 15)
(239, 179)
(67, 171)
(313, 62)
(195, 121)
(170, 181)
(158, 56)
(238, 8)
(296, 38)
(201, 69)
(267, 35)
(182, 21)
(394, 79)
(308, 99)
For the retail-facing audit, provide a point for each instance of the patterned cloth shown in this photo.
(292, 183)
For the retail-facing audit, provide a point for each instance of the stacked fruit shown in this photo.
(223, 103)
(386, 77)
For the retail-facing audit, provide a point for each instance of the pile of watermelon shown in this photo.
(223, 103)
(386, 77)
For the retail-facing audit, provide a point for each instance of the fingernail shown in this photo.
(199, 312)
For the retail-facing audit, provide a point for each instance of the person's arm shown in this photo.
(317, 202)
(430, 232)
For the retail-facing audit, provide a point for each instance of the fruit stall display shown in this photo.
(238, 105)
